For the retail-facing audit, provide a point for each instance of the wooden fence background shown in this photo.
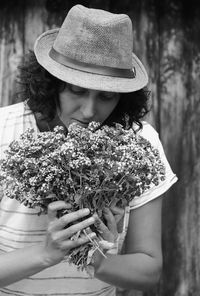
(167, 39)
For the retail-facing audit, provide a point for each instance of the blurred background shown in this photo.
(167, 40)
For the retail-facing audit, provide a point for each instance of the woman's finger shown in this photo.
(117, 210)
(55, 206)
(118, 213)
(68, 218)
(70, 231)
(73, 216)
(67, 233)
(110, 219)
(83, 239)
(103, 229)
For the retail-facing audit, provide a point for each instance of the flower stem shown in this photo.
(95, 243)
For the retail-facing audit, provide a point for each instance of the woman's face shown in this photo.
(83, 105)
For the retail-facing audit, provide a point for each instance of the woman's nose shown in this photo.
(89, 107)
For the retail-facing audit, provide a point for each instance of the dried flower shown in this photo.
(87, 168)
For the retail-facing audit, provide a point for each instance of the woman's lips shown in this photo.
(82, 122)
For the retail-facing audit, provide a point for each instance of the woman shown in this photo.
(85, 71)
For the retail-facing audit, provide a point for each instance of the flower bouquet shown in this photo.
(92, 167)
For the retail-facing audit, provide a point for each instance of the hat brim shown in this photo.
(83, 79)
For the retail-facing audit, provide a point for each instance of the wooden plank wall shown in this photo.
(166, 38)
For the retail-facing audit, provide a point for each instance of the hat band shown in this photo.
(90, 68)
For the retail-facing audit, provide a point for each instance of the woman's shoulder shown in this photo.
(148, 132)
(12, 109)
(14, 120)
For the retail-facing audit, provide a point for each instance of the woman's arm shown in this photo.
(19, 264)
(22, 263)
(140, 267)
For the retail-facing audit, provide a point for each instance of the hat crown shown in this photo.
(96, 37)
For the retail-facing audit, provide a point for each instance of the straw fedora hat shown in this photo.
(92, 49)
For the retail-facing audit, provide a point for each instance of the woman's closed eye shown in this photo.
(107, 96)
(77, 90)
(103, 96)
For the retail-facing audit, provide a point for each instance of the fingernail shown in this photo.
(91, 220)
(106, 209)
(91, 235)
(86, 211)
(68, 206)
(97, 223)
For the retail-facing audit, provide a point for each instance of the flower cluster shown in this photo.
(90, 167)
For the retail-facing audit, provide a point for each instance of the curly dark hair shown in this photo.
(42, 91)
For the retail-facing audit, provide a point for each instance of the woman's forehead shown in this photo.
(77, 87)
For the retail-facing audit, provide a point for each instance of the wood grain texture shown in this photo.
(166, 38)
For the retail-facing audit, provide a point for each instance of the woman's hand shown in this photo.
(109, 230)
(58, 243)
